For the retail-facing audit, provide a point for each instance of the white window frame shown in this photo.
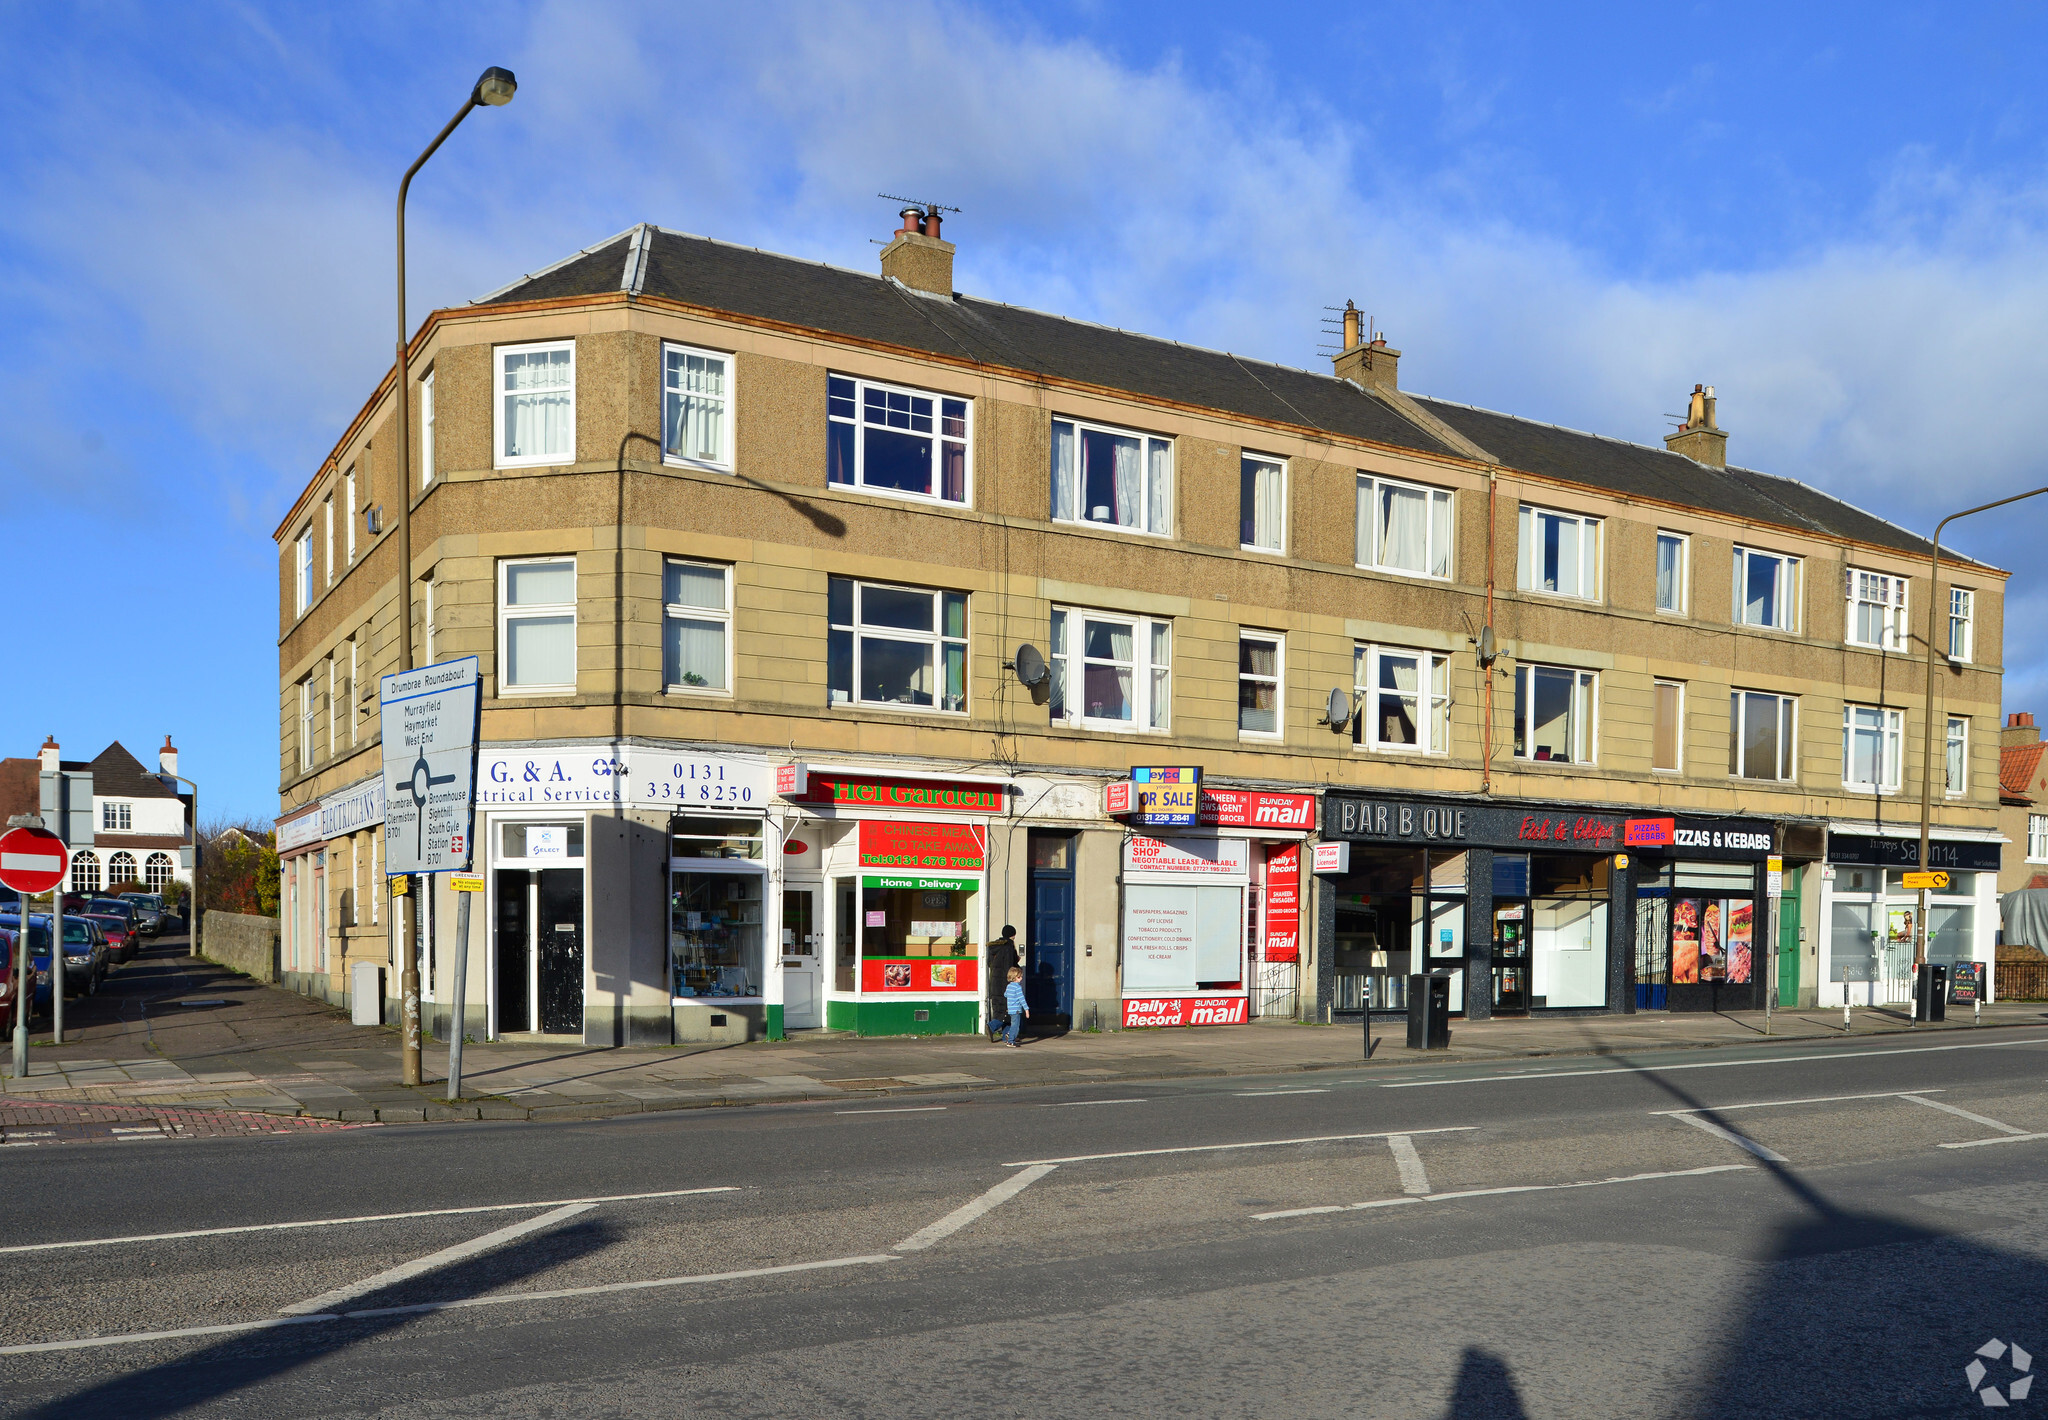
(349, 540)
(507, 614)
(2037, 838)
(1955, 756)
(1885, 592)
(1585, 702)
(1150, 496)
(1683, 591)
(1657, 684)
(1152, 682)
(427, 616)
(1592, 551)
(1788, 748)
(327, 513)
(308, 708)
(355, 691)
(333, 709)
(1248, 465)
(936, 639)
(427, 430)
(499, 458)
(723, 463)
(1278, 680)
(117, 816)
(1891, 731)
(1432, 721)
(1366, 529)
(1962, 624)
(676, 611)
(939, 439)
(1788, 589)
(302, 570)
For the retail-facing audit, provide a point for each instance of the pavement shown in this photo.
(173, 1031)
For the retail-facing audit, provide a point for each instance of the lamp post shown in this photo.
(192, 945)
(1927, 730)
(494, 89)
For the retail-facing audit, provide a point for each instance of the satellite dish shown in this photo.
(1030, 666)
(1339, 713)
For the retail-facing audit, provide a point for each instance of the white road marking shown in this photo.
(83, 1342)
(1702, 1064)
(1491, 1192)
(1916, 1097)
(906, 1109)
(966, 1213)
(1069, 1104)
(364, 1218)
(1413, 1178)
(1255, 1144)
(432, 1260)
(2001, 1139)
(1261, 1094)
(1812, 1099)
(1708, 1126)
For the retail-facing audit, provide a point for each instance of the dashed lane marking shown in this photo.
(1495, 1192)
(905, 1109)
(1070, 1104)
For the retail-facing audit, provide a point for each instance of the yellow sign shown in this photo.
(1912, 881)
(401, 884)
(465, 884)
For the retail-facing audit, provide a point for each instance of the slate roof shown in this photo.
(834, 300)
(2017, 766)
(117, 774)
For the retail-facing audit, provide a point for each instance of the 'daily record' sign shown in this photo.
(1183, 1011)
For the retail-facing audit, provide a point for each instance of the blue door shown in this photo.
(1049, 935)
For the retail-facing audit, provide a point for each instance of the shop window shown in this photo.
(1711, 921)
(715, 916)
(696, 400)
(1672, 550)
(1558, 553)
(919, 938)
(906, 443)
(1403, 527)
(1258, 684)
(541, 842)
(537, 626)
(696, 625)
(712, 836)
(1761, 744)
(1766, 589)
(1262, 504)
(896, 646)
(1555, 714)
(1962, 604)
(1667, 726)
(1957, 756)
(1111, 477)
(1110, 672)
(536, 406)
(1568, 912)
(1404, 700)
(1877, 610)
(1871, 737)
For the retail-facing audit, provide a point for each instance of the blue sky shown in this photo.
(1836, 215)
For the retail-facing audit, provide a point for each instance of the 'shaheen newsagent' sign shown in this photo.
(428, 720)
(848, 791)
(1184, 1011)
(1553, 827)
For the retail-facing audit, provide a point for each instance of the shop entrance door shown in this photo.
(1049, 934)
(803, 1000)
(512, 932)
(539, 950)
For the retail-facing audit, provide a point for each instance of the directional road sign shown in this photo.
(32, 860)
(429, 722)
(1913, 882)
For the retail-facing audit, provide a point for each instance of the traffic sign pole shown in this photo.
(33, 860)
(465, 889)
(56, 963)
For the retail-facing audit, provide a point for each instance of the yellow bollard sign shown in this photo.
(1913, 882)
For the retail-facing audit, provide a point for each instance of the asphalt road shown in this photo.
(1763, 1231)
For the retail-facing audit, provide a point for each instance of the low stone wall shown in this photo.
(242, 943)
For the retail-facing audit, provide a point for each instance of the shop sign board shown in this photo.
(920, 974)
(1333, 857)
(1184, 1011)
(916, 882)
(923, 847)
(850, 791)
(1424, 823)
(1283, 902)
(1188, 857)
(1966, 982)
(428, 718)
(1954, 855)
(630, 776)
(1255, 808)
(1649, 832)
(1165, 797)
(298, 831)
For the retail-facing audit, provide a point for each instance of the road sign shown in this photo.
(460, 883)
(428, 717)
(1774, 877)
(1914, 881)
(32, 860)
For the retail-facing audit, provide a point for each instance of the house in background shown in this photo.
(2022, 797)
(121, 822)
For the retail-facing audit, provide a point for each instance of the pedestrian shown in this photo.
(1003, 953)
(1013, 998)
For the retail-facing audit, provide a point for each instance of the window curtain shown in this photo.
(1367, 551)
(1667, 574)
(1063, 471)
(1399, 682)
(1129, 511)
(1440, 704)
(696, 653)
(537, 404)
(1404, 529)
(1160, 456)
(1266, 505)
(1440, 534)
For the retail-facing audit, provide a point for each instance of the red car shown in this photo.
(122, 939)
(7, 985)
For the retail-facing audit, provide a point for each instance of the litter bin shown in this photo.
(1930, 991)
(1429, 1011)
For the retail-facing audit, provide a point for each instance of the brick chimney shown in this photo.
(1370, 362)
(1699, 438)
(167, 758)
(49, 755)
(917, 257)
(2019, 730)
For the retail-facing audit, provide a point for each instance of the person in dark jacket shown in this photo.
(1003, 953)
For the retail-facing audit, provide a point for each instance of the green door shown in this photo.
(1788, 941)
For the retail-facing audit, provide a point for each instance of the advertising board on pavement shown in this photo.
(429, 719)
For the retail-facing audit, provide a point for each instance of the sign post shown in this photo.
(465, 887)
(1774, 888)
(428, 717)
(34, 860)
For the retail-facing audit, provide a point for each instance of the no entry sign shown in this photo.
(32, 860)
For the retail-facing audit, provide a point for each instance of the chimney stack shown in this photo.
(49, 753)
(917, 257)
(2019, 730)
(1699, 438)
(1370, 363)
(167, 757)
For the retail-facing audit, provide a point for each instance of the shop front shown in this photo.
(1703, 914)
(1870, 918)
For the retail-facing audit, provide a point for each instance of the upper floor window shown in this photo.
(904, 442)
(1556, 710)
(1111, 476)
(1672, 549)
(349, 541)
(1958, 755)
(1667, 726)
(537, 625)
(1258, 683)
(327, 515)
(426, 435)
(2037, 838)
(1558, 553)
(1760, 738)
(901, 646)
(696, 625)
(1404, 700)
(1962, 605)
(1403, 527)
(117, 815)
(308, 701)
(696, 394)
(1877, 610)
(1766, 589)
(1110, 672)
(1262, 504)
(536, 405)
(302, 570)
(1871, 736)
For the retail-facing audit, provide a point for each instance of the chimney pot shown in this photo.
(931, 224)
(1351, 326)
(49, 756)
(167, 757)
(1700, 438)
(919, 259)
(913, 221)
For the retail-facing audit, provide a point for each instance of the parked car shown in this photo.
(85, 953)
(123, 940)
(118, 906)
(154, 913)
(8, 937)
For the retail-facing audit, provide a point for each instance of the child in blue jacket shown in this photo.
(1013, 1000)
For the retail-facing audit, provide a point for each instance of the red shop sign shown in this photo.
(922, 847)
(1254, 808)
(1283, 902)
(921, 974)
(1649, 833)
(846, 791)
(1597, 832)
(1184, 1011)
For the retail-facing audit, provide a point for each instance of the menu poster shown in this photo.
(1685, 941)
(1741, 930)
(1713, 951)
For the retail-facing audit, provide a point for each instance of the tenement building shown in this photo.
(828, 621)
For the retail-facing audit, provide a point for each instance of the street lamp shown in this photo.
(1927, 730)
(192, 931)
(494, 89)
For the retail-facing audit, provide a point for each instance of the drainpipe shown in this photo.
(1487, 642)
